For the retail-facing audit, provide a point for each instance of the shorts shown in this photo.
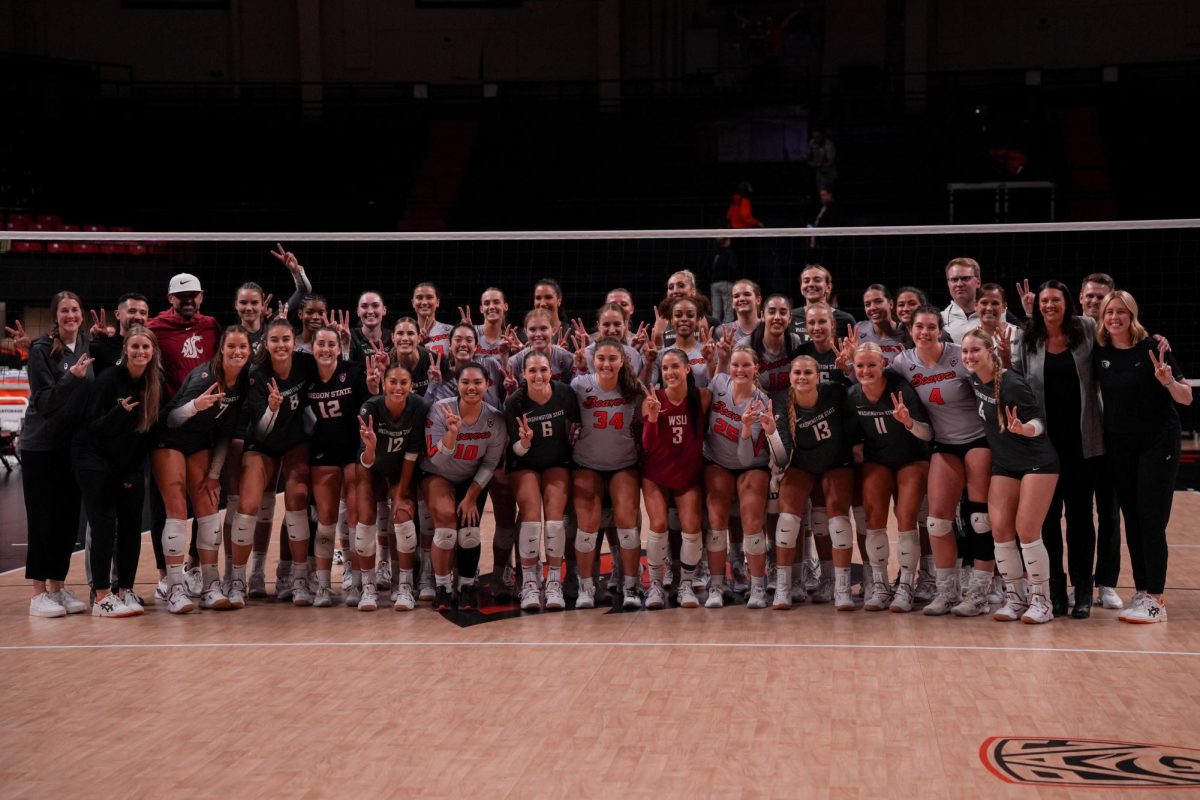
(895, 466)
(267, 449)
(737, 473)
(1033, 469)
(607, 474)
(332, 454)
(188, 445)
(460, 491)
(960, 450)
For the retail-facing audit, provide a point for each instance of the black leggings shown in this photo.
(52, 513)
(114, 510)
(1076, 485)
(1144, 472)
(1108, 525)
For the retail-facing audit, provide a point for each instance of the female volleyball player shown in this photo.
(541, 336)
(775, 344)
(881, 326)
(435, 336)
(746, 299)
(822, 344)
(407, 350)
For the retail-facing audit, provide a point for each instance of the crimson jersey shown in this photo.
(185, 344)
(673, 446)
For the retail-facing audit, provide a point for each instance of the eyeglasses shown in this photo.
(961, 279)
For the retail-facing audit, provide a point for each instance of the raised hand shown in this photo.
(901, 413)
(767, 418)
(128, 403)
(651, 406)
(453, 423)
(366, 433)
(1027, 297)
(639, 337)
(435, 366)
(1004, 345)
(209, 398)
(274, 398)
(374, 381)
(1162, 370)
(1014, 422)
(660, 327)
(20, 338)
(464, 313)
(524, 431)
(99, 324)
(725, 346)
(750, 416)
(707, 345)
(80, 368)
(846, 347)
(287, 258)
(511, 342)
(510, 380)
(282, 312)
(561, 338)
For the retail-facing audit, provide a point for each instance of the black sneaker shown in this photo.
(443, 600)
(468, 597)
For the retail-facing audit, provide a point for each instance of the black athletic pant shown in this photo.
(114, 511)
(52, 513)
(1143, 471)
(1076, 485)
(1108, 525)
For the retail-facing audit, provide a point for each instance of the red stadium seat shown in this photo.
(68, 228)
(27, 247)
(21, 217)
(83, 247)
(112, 248)
(16, 224)
(53, 222)
(58, 247)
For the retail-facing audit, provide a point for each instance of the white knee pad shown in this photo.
(208, 532)
(878, 547)
(716, 541)
(469, 536)
(364, 540)
(242, 532)
(529, 542)
(175, 537)
(266, 509)
(673, 523)
(323, 545)
(910, 551)
(406, 536)
(556, 538)
(981, 522)
(630, 538)
(820, 521)
(585, 541)
(860, 520)
(787, 530)
(657, 546)
(444, 538)
(690, 549)
(297, 525)
(840, 534)
(940, 527)
(755, 544)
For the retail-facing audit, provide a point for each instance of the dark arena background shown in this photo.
(597, 143)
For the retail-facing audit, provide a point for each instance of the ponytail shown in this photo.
(56, 342)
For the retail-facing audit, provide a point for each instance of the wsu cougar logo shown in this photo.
(192, 348)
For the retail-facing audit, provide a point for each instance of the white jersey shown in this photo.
(945, 390)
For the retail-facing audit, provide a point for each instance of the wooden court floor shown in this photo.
(731, 703)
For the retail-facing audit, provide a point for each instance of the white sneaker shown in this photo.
(1014, 603)
(300, 594)
(283, 586)
(554, 596)
(757, 596)
(426, 590)
(322, 597)
(879, 598)
(404, 598)
(700, 576)
(213, 597)
(902, 600)
(685, 596)
(716, 596)
(347, 578)
(739, 580)
(237, 593)
(193, 582)
(312, 582)
(383, 576)
(531, 597)
(656, 598)
(668, 572)
(339, 557)
(799, 590)
(587, 595)
(945, 599)
(370, 598)
(162, 591)
(45, 605)
(973, 604)
(996, 592)
(842, 601)
(1109, 598)
(354, 596)
(257, 585)
(178, 601)
(67, 599)
(1144, 610)
(632, 598)
(111, 606)
(782, 600)
(926, 586)
(811, 572)
(131, 600)
(1039, 610)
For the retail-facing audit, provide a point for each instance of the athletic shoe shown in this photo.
(468, 597)
(339, 557)
(178, 601)
(783, 597)
(258, 585)
(842, 601)
(945, 599)
(700, 576)
(632, 599)
(823, 593)
(926, 587)
(531, 596)
(974, 603)
(237, 593)
(213, 597)
(811, 572)
(383, 575)
(669, 574)
(322, 597)
(369, 599)
(67, 599)
(354, 596)
(347, 578)
(685, 596)
(770, 573)
(1137, 611)
(879, 598)
(996, 592)
(193, 582)
(1071, 596)
(404, 598)
(284, 588)
(716, 597)
(131, 600)
(587, 595)
(799, 592)
(162, 591)
(739, 581)
(301, 596)
(902, 600)
(1039, 610)
(45, 605)
(656, 598)
(311, 583)
(444, 601)
(426, 589)
(1014, 603)
(1109, 598)
(504, 585)
(757, 597)
(111, 606)
(555, 601)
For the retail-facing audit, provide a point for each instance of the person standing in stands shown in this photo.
(722, 268)
(740, 213)
(822, 157)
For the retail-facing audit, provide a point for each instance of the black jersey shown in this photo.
(1136, 404)
(551, 422)
(190, 431)
(420, 372)
(1012, 452)
(825, 361)
(362, 349)
(276, 433)
(397, 439)
(884, 440)
(331, 407)
(820, 440)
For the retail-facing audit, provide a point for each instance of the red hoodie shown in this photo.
(185, 343)
(740, 214)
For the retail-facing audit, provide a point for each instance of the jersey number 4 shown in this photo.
(602, 419)
(935, 396)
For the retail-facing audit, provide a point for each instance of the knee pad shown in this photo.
(910, 551)
(406, 536)
(840, 534)
(690, 549)
(364, 540)
(323, 542)
(469, 536)
(940, 527)
(556, 538)
(860, 520)
(716, 541)
(1037, 561)
(983, 546)
(1008, 561)
(878, 547)
(504, 538)
(787, 530)
(266, 509)
(208, 532)
(297, 525)
(629, 538)
(656, 548)
(673, 523)
(175, 537)
(242, 532)
(529, 545)
(755, 544)
(606, 519)
(978, 515)
(820, 521)
(444, 538)
(585, 541)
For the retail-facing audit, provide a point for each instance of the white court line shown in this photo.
(627, 645)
